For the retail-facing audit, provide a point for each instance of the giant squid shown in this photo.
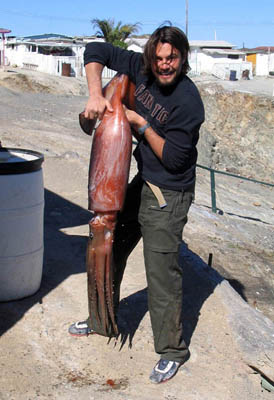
(108, 178)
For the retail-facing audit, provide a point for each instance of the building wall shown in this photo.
(252, 58)
(218, 65)
(271, 63)
(195, 63)
(264, 64)
(135, 47)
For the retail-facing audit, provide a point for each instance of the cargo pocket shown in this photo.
(160, 226)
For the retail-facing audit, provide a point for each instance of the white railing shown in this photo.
(195, 68)
(108, 73)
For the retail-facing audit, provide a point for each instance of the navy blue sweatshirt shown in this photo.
(175, 113)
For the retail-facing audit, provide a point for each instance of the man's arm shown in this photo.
(182, 134)
(96, 104)
(96, 56)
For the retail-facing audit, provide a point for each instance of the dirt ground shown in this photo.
(228, 331)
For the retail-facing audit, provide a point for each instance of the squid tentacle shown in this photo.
(92, 286)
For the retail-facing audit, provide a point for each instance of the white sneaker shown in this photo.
(164, 370)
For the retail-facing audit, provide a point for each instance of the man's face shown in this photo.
(168, 64)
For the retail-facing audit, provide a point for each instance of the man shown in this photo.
(168, 116)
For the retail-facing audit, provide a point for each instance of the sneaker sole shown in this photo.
(79, 334)
(82, 334)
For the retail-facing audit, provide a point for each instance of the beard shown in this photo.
(172, 73)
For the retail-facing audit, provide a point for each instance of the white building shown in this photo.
(53, 55)
(218, 58)
(262, 59)
(136, 44)
(62, 55)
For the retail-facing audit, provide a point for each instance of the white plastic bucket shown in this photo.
(21, 223)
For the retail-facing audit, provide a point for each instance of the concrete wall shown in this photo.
(223, 70)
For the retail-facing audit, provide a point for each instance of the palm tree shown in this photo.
(115, 34)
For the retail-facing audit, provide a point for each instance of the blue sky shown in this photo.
(247, 22)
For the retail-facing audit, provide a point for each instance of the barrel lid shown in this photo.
(19, 161)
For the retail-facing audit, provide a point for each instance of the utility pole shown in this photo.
(187, 18)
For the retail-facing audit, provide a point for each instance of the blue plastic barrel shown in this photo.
(232, 76)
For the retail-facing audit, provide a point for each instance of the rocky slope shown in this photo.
(237, 135)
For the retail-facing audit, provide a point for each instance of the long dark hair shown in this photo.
(166, 34)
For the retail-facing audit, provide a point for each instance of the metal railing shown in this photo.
(212, 181)
(213, 186)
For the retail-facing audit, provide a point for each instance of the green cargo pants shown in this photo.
(161, 230)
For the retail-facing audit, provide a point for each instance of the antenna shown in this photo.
(186, 18)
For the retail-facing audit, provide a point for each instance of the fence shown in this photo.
(212, 183)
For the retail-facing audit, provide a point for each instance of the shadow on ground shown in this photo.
(64, 255)
(199, 282)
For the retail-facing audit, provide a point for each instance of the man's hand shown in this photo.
(155, 141)
(135, 120)
(96, 104)
(96, 107)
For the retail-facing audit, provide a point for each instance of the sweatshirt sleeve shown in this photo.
(182, 134)
(120, 60)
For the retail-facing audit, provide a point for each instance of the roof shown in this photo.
(3, 30)
(43, 44)
(224, 51)
(211, 44)
(260, 49)
(271, 48)
(47, 36)
(141, 42)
